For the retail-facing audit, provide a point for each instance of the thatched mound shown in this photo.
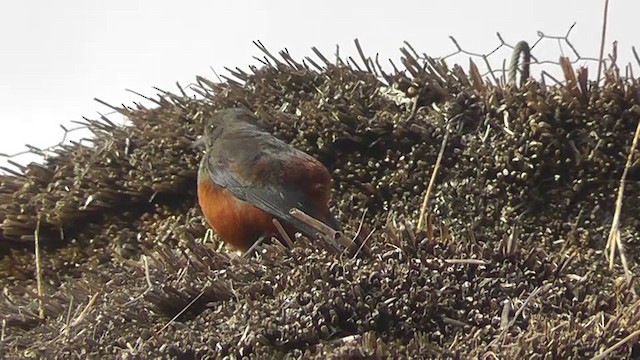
(510, 262)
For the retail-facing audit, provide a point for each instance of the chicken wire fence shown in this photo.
(499, 65)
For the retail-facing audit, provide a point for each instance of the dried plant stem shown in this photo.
(253, 247)
(532, 295)
(326, 233)
(425, 201)
(614, 233)
(335, 239)
(85, 311)
(617, 345)
(466, 261)
(180, 312)
(602, 39)
(315, 223)
(283, 232)
(39, 270)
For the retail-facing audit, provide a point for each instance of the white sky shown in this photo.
(56, 56)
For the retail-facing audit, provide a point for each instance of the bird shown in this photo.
(248, 177)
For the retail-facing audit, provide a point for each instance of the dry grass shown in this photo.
(506, 260)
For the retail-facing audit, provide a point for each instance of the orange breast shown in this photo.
(236, 222)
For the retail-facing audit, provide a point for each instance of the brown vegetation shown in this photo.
(510, 260)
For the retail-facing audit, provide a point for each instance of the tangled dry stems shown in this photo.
(507, 262)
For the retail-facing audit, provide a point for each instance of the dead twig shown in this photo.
(425, 201)
(283, 232)
(180, 312)
(617, 345)
(524, 305)
(613, 240)
(602, 39)
(466, 261)
(39, 270)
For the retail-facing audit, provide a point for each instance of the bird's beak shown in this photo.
(199, 143)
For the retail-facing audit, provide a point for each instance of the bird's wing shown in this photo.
(270, 196)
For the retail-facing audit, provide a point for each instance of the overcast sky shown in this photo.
(56, 56)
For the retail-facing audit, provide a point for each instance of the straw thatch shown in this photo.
(510, 261)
